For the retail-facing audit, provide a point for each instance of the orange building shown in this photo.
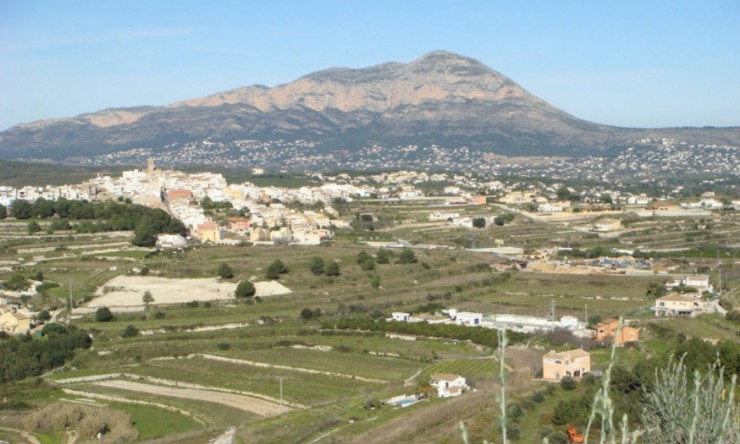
(179, 193)
(607, 329)
(209, 232)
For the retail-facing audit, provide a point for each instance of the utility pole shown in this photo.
(69, 313)
(281, 389)
(585, 314)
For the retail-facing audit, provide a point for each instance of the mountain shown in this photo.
(441, 98)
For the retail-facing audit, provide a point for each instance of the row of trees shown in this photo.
(110, 216)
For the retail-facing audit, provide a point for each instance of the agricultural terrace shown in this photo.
(197, 362)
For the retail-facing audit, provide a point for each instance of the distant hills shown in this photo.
(441, 98)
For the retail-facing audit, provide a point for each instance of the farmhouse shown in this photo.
(608, 329)
(573, 363)
(448, 385)
(700, 282)
(681, 305)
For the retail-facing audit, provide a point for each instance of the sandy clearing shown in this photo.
(126, 292)
(257, 406)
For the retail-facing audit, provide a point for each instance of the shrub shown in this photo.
(316, 265)
(16, 282)
(43, 316)
(103, 314)
(130, 332)
(159, 315)
(245, 289)
(733, 316)
(225, 271)
(332, 269)
(537, 396)
(362, 256)
(407, 256)
(383, 256)
(192, 304)
(42, 288)
(223, 346)
(568, 383)
(275, 269)
(368, 264)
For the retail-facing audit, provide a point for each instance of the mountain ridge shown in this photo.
(440, 98)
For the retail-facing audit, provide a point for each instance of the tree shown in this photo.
(383, 256)
(20, 209)
(479, 222)
(42, 208)
(563, 193)
(655, 290)
(144, 234)
(407, 256)
(147, 298)
(103, 314)
(275, 269)
(332, 269)
(245, 289)
(43, 316)
(33, 227)
(225, 271)
(130, 332)
(3, 211)
(316, 265)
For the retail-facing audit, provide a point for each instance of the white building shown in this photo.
(700, 282)
(448, 385)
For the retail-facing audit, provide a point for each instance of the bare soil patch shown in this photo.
(125, 293)
(253, 405)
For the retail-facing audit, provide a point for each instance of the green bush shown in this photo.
(103, 314)
(130, 332)
(225, 271)
(245, 289)
(568, 383)
(316, 265)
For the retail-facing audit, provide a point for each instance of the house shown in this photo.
(675, 304)
(171, 241)
(573, 363)
(606, 330)
(400, 316)
(468, 318)
(700, 282)
(179, 193)
(209, 232)
(448, 385)
(238, 224)
(14, 322)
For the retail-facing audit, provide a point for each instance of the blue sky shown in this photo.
(626, 63)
